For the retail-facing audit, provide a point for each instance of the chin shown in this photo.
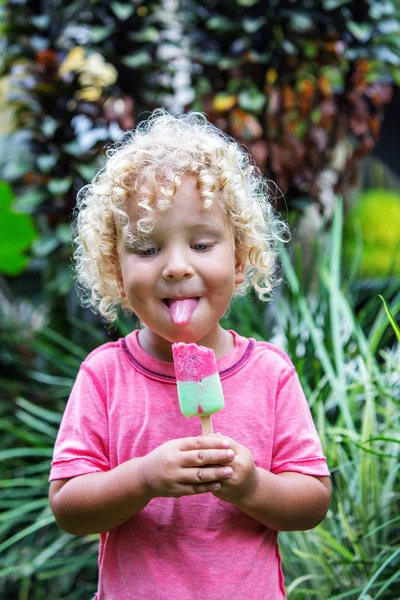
(186, 335)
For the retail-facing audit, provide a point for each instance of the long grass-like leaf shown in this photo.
(375, 576)
(51, 379)
(393, 323)
(380, 324)
(23, 509)
(298, 581)
(36, 424)
(21, 482)
(65, 343)
(48, 553)
(19, 452)
(308, 318)
(43, 522)
(336, 545)
(335, 312)
(387, 584)
(43, 413)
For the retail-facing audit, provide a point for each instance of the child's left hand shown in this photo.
(245, 477)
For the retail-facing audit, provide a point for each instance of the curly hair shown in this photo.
(149, 164)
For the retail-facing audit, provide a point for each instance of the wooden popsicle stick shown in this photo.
(206, 425)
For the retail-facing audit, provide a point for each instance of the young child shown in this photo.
(177, 223)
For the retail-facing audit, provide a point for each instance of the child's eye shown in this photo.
(201, 247)
(148, 251)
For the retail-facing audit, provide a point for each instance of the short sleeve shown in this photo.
(297, 446)
(82, 441)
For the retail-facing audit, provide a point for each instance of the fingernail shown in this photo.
(215, 486)
(227, 471)
(230, 453)
(226, 443)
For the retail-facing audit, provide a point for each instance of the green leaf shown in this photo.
(17, 232)
(98, 34)
(25, 532)
(19, 452)
(229, 63)
(73, 148)
(27, 203)
(301, 22)
(386, 55)
(137, 60)
(377, 10)
(45, 245)
(335, 545)
(22, 509)
(122, 10)
(210, 58)
(253, 25)
(58, 187)
(388, 28)
(361, 31)
(41, 21)
(362, 596)
(311, 49)
(87, 172)
(221, 24)
(46, 162)
(251, 100)
(37, 424)
(63, 233)
(49, 126)
(247, 2)
(333, 4)
(149, 34)
(393, 323)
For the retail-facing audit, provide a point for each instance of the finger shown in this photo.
(193, 458)
(202, 488)
(184, 489)
(205, 474)
(204, 441)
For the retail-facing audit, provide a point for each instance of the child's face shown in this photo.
(189, 255)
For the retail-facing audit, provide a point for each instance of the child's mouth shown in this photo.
(181, 309)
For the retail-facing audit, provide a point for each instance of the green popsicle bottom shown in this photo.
(201, 398)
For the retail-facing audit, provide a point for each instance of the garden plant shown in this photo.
(351, 377)
(304, 86)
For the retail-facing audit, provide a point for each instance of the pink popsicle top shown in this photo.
(193, 362)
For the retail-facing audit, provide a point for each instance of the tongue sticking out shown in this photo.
(182, 310)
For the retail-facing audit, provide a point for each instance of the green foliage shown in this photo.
(302, 85)
(354, 392)
(37, 560)
(349, 370)
(393, 323)
(348, 366)
(77, 75)
(17, 233)
(374, 224)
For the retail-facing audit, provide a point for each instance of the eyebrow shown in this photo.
(206, 225)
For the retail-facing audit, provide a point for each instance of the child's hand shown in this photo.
(186, 466)
(245, 478)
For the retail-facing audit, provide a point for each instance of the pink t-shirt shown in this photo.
(124, 404)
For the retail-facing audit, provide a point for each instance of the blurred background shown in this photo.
(311, 88)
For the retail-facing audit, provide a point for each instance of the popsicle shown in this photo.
(199, 386)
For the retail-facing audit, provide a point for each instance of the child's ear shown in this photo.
(240, 273)
(121, 289)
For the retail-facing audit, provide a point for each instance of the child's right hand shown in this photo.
(187, 466)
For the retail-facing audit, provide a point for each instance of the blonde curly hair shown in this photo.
(149, 164)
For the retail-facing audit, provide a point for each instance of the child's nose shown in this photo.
(177, 265)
